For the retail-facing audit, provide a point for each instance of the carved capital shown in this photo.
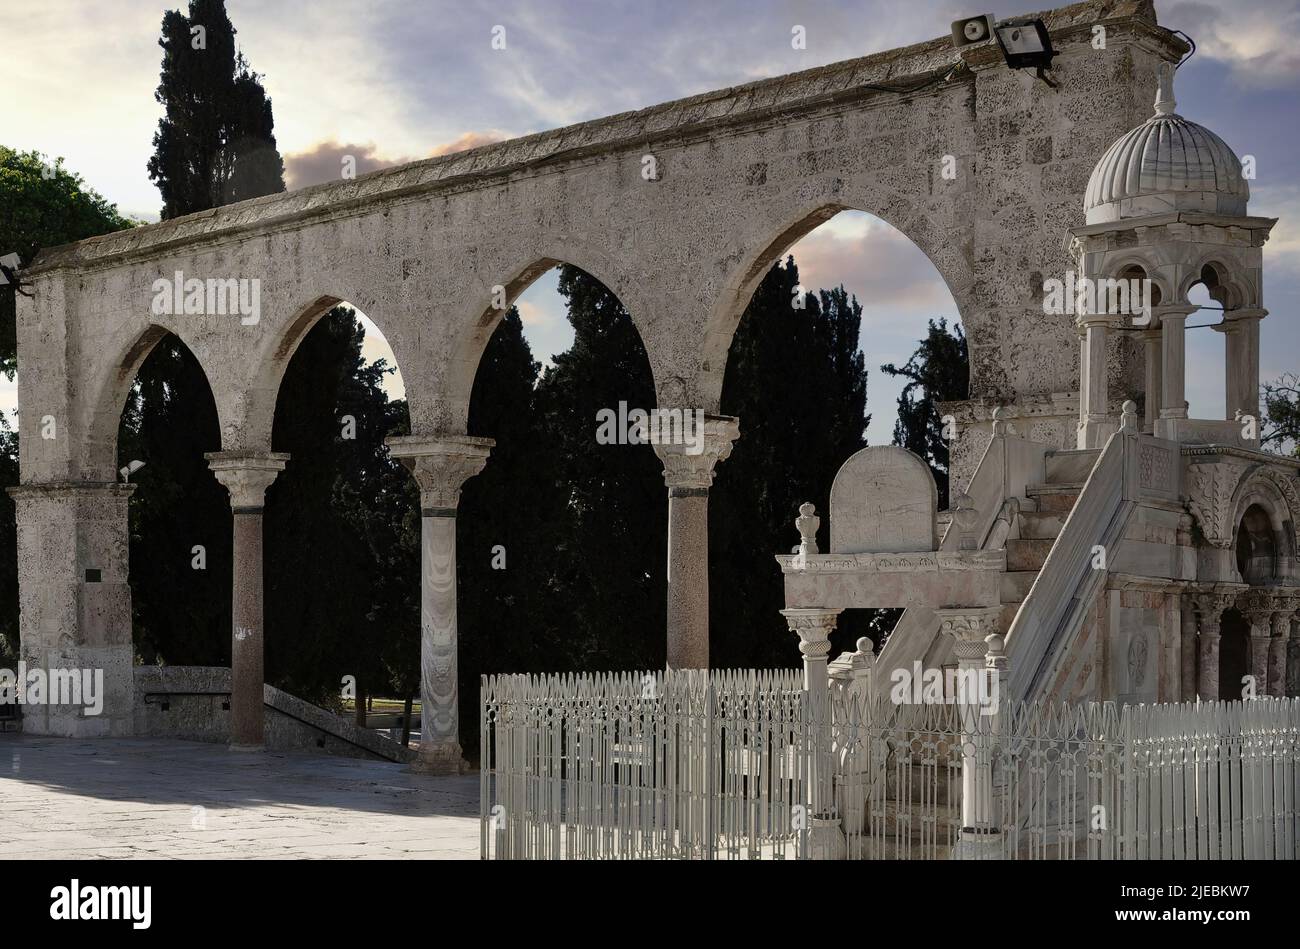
(1257, 605)
(690, 463)
(246, 475)
(969, 627)
(441, 466)
(813, 628)
(1213, 602)
(1210, 488)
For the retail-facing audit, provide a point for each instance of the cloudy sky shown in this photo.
(392, 80)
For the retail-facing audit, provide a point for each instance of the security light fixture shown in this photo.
(129, 470)
(1026, 45)
(9, 264)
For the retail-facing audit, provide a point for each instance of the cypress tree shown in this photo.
(939, 371)
(798, 382)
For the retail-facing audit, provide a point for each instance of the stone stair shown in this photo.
(1042, 515)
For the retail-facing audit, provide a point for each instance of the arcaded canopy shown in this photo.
(1166, 164)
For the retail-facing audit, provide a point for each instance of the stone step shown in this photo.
(1036, 525)
(1069, 467)
(1054, 498)
(1014, 586)
(1027, 554)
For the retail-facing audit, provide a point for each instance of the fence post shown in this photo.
(813, 627)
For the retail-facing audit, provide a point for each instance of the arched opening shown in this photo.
(1234, 654)
(561, 538)
(1206, 358)
(341, 523)
(1256, 547)
(180, 542)
(850, 338)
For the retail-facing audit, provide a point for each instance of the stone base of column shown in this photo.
(826, 839)
(978, 845)
(439, 759)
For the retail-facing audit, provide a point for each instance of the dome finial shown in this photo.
(1165, 101)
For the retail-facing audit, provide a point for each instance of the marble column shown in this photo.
(1153, 343)
(814, 628)
(246, 475)
(1187, 678)
(440, 466)
(688, 473)
(1095, 424)
(1257, 606)
(1277, 649)
(973, 631)
(1212, 606)
(1241, 360)
(1292, 682)
(1173, 398)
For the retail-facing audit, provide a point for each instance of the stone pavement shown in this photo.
(161, 798)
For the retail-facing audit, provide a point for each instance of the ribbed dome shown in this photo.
(1166, 164)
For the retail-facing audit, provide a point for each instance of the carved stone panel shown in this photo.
(883, 499)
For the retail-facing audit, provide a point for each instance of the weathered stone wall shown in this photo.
(742, 173)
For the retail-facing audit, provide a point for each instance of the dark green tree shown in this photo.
(215, 142)
(797, 380)
(505, 557)
(328, 512)
(939, 371)
(608, 532)
(1282, 414)
(180, 597)
(42, 204)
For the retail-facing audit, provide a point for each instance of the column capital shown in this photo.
(1258, 606)
(688, 468)
(440, 465)
(246, 475)
(970, 628)
(1214, 600)
(1244, 313)
(813, 627)
(1172, 311)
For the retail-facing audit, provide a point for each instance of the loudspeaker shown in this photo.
(975, 29)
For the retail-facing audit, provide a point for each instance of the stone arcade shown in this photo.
(1200, 526)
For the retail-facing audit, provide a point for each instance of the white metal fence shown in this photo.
(722, 765)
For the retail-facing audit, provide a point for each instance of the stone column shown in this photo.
(1292, 687)
(74, 602)
(1241, 360)
(1173, 398)
(1277, 648)
(1153, 342)
(973, 631)
(1212, 606)
(688, 473)
(1257, 607)
(814, 627)
(441, 466)
(246, 475)
(1187, 655)
(1095, 424)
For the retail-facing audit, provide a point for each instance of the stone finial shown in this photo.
(996, 657)
(965, 516)
(1002, 426)
(807, 523)
(1165, 101)
(1128, 419)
